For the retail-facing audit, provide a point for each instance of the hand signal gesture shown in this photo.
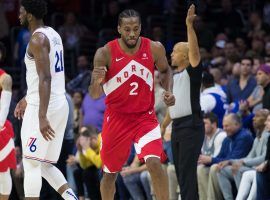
(190, 15)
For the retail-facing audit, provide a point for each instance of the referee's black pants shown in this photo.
(187, 139)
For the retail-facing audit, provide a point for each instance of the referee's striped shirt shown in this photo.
(186, 89)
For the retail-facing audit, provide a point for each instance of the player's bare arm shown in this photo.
(39, 48)
(6, 86)
(194, 51)
(161, 62)
(6, 82)
(99, 72)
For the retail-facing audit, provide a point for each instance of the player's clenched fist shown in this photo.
(169, 98)
(99, 73)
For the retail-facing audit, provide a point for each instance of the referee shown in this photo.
(187, 126)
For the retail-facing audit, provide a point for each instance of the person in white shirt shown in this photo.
(213, 98)
(45, 108)
(214, 137)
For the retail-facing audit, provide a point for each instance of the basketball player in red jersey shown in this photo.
(7, 149)
(124, 70)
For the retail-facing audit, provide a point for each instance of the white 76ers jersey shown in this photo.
(56, 56)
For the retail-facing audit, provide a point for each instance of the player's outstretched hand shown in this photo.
(169, 98)
(99, 73)
(190, 15)
(20, 108)
(46, 129)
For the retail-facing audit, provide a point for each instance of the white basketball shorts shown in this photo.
(34, 145)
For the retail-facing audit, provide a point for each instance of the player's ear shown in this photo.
(119, 29)
(29, 17)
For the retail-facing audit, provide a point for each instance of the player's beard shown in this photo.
(131, 46)
(25, 23)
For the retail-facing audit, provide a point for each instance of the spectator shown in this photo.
(136, 181)
(217, 74)
(71, 31)
(263, 171)
(89, 159)
(231, 57)
(205, 57)
(257, 26)
(257, 47)
(241, 88)
(82, 80)
(77, 98)
(214, 136)
(213, 98)
(263, 79)
(241, 45)
(92, 111)
(257, 62)
(236, 145)
(254, 101)
(213, 139)
(255, 157)
(236, 70)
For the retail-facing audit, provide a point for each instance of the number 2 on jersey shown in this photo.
(59, 65)
(135, 86)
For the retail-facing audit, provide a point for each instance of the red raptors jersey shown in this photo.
(129, 82)
(7, 149)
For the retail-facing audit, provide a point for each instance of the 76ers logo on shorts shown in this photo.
(32, 145)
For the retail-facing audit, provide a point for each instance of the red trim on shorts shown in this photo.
(38, 159)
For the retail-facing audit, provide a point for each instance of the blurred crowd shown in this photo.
(234, 40)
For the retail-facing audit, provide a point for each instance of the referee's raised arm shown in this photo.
(194, 51)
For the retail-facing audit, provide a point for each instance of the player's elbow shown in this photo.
(6, 82)
(48, 78)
